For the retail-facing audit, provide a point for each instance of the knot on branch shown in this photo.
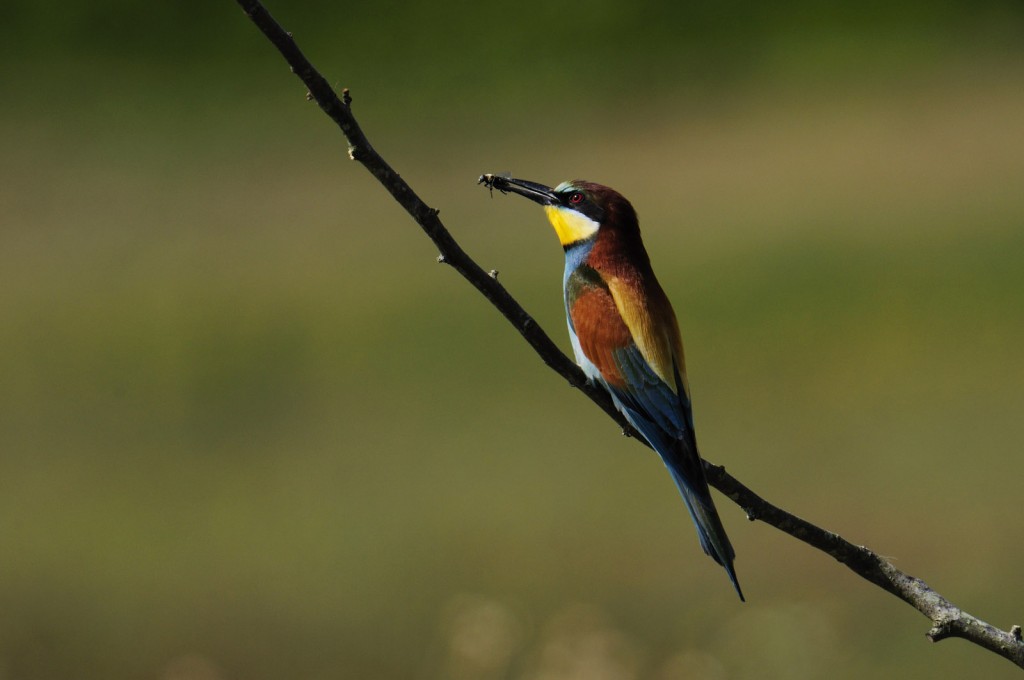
(1015, 633)
(945, 626)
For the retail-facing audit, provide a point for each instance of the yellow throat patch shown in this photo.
(570, 225)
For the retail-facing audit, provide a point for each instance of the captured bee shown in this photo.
(495, 181)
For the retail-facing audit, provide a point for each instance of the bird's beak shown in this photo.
(531, 190)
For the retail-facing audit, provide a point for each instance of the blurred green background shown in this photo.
(250, 429)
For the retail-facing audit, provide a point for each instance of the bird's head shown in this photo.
(578, 210)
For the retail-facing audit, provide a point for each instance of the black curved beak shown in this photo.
(531, 190)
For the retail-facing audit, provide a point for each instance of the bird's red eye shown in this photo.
(576, 198)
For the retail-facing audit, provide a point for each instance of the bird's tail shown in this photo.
(710, 531)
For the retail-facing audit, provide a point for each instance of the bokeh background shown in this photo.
(250, 429)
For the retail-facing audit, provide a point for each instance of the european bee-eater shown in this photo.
(625, 335)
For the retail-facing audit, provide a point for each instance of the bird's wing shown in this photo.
(652, 324)
(632, 339)
(635, 352)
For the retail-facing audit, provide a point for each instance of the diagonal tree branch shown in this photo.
(452, 254)
(947, 619)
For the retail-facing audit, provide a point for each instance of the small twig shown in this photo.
(947, 619)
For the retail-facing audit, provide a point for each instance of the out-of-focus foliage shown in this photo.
(473, 44)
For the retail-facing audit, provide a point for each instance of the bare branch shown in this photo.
(947, 619)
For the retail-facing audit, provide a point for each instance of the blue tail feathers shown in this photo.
(710, 531)
(670, 433)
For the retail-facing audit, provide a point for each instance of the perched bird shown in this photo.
(625, 335)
